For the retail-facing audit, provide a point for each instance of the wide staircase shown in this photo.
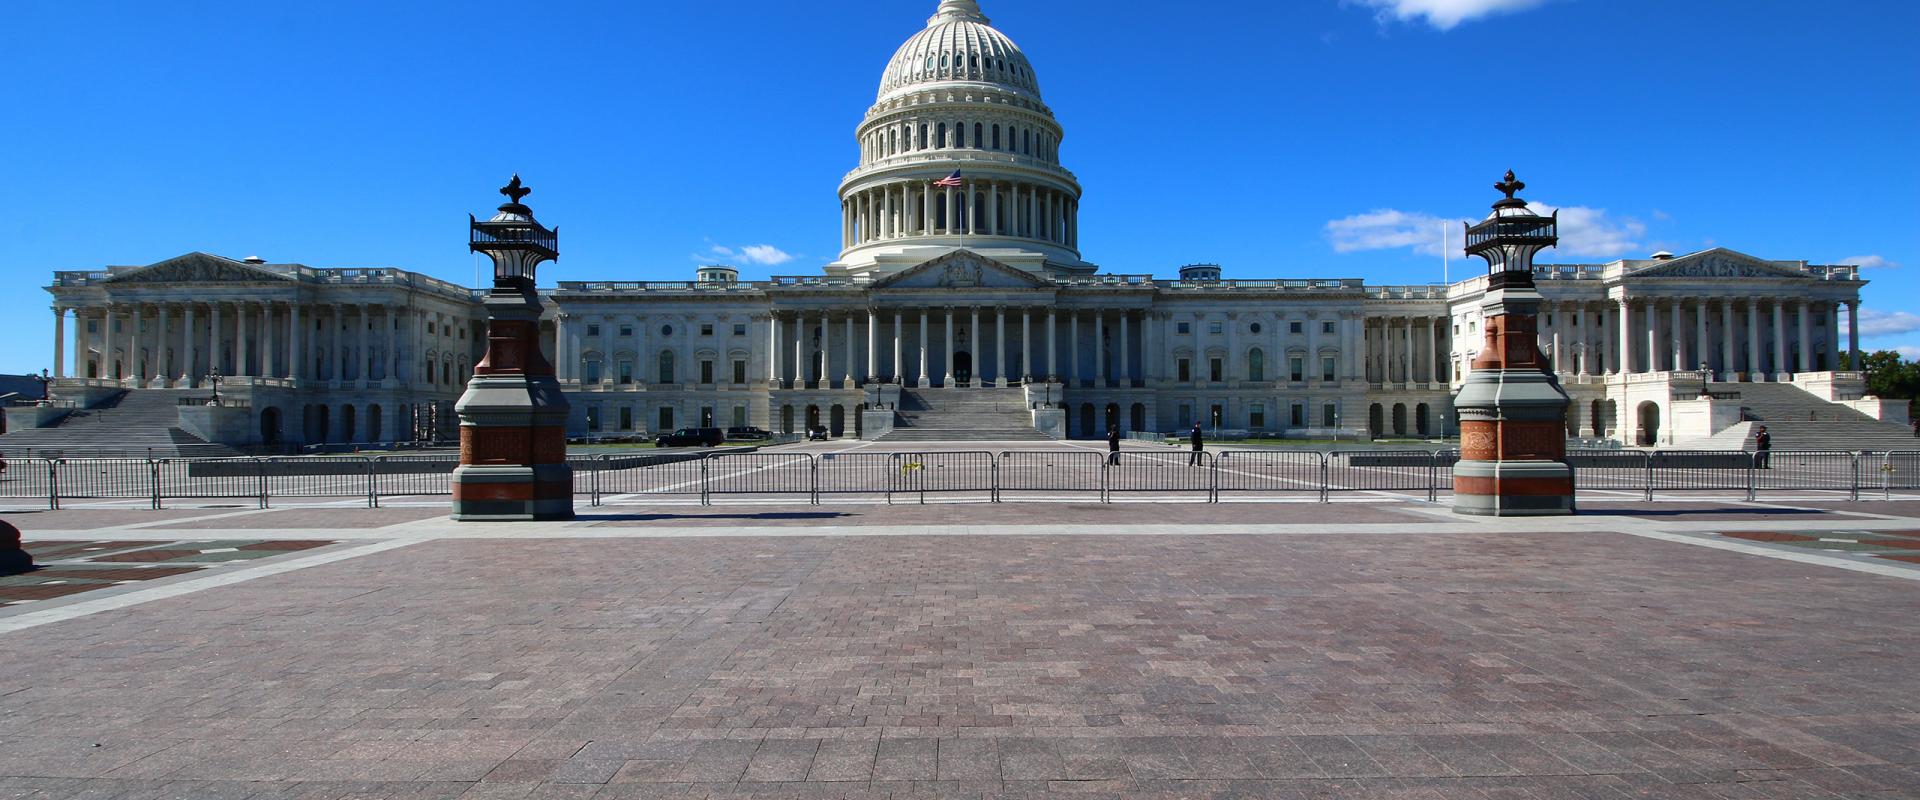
(137, 424)
(963, 415)
(1799, 420)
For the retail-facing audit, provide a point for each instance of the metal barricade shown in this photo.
(29, 479)
(760, 474)
(1609, 470)
(1808, 470)
(1271, 472)
(319, 477)
(647, 478)
(1048, 474)
(1699, 470)
(948, 473)
(1166, 475)
(210, 479)
(1899, 469)
(1381, 471)
(1443, 462)
(413, 476)
(106, 479)
(857, 475)
(586, 476)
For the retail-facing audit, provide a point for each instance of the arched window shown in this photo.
(942, 141)
(1026, 141)
(960, 135)
(923, 136)
(666, 366)
(979, 139)
(1256, 365)
(996, 137)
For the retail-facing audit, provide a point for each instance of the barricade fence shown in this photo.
(1063, 475)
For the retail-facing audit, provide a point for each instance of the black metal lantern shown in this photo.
(1509, 237)
(514, 240)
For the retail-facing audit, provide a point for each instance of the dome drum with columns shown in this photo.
(976, 295)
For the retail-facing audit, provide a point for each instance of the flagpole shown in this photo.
(1446, 258)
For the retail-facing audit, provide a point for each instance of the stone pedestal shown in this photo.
(1513, 417)
(513, 417)
(13, 559)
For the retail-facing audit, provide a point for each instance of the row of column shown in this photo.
(1408, 350)
(181, 344)
(1726, 336)
(979, 208)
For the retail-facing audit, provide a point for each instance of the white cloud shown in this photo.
(1907, 351)
(762, 254)
(1585, 232)
(1870, 262)
(1874, 322)
(1442, 14)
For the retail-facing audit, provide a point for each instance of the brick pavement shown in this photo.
(1495, 664)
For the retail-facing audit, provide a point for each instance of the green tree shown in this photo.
(1891, 377)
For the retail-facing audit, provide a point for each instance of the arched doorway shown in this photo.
(1420, 423)
(813, 418)
(963, 367)
(375, 433)
(322, 424)
(837, 421)
(347, 429)
(1139, 418)
(1649, 418)
(1086, 420)
(1399, 419)
(859, 421)
(1376, 420)
(270, 426)
(1593, 420)
(786, 419)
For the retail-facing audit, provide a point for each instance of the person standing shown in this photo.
(1199, 447)
(1113, 445)
(1763, 447)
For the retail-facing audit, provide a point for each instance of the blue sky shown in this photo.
(1290, 138)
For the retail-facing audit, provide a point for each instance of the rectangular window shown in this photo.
(626, 373)
(1216, 370)
(1297, 368)
(1296, 327)
(1327, 327)
(1186, 416)
(706, 371)
(1257, 416)
(626, 330)
(316, 326)
(1327, 372)
(593, 418)
(592, 373)
(626, 418)
(706, 329)
(739, 416)
(666, 419)
(1186, 371)
(1330, 416)
(1213, 327)
(93, 326)
(593, 330)
(1297, 416)
(739, 371)
(739, 329)
(1185, 328)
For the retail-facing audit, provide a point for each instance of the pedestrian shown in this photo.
(1199, 447)
(1916, 429)
(1763, 447)
(1113, 445)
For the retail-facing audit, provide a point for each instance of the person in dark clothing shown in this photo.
(1763, 447)
(1916, 429)
(1199, 447)
(1113, 445)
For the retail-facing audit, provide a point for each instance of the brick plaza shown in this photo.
(1374, 647)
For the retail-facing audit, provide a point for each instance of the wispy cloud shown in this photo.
(762, 254)
(1442, 14)
(1870, 262)
(1874, 322)
(1584, 232)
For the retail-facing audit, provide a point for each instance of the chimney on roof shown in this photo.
(1662, 256)
(254, 260)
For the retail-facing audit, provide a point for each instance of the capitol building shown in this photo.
(962, 283)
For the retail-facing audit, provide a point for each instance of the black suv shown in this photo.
(748, 434)
(691, 437)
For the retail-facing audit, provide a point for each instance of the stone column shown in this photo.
(1677, 330)
(361, 355)
(296, 355)
(1126, 352)
(1406, 339)
(1000, 346)
(1626, 336)
(337, 362)
(1753, 339)
(1654, 358)
(133, 345)
(215, 350)
(1434, 356)
(799, 351)
(1834, 363)
(873, 345)
(978, 351)
(1805, 361)
(1700, 349)
(1053, 346)
(1100, 349)
(394, 328)
(922, 379)
(993, 209)
(1780, 367)
(948, 383)
(59, 342)
(1026, 342)
(899, 368)
(1853, 335)
(773, 351)
(240, 339)
(162, 368)
(1073, 347)
(1727, 334)
(850, 344)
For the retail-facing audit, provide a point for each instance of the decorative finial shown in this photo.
(1511, 186)
(514, 191)
(957, 9)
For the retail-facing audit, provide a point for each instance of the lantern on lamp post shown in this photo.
(513, 416)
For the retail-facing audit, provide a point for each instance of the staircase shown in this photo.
(134, 424)
(963, 415)
(1800, 420)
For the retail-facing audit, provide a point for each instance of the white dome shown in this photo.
(959, 44)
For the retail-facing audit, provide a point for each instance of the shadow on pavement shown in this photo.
(769, 516)
(1681, 512)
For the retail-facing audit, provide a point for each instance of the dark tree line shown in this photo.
(1891, 377)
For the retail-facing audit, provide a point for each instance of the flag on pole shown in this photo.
(951, 181)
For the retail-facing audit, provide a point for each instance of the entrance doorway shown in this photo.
(1649, 413)
(963, 368)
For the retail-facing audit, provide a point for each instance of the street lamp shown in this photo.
(46, 397)
(213, 377)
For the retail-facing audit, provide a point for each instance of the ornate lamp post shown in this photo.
(213, 377)
(46, 397)
(513, 416)
(1513, 413)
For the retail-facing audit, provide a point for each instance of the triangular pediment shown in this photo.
(198, 268)
(962, 269)
(1716, 263)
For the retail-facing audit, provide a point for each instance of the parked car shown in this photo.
(691, 437)
(748, 434)
(817, 435)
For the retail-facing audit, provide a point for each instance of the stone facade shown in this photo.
(961, 268)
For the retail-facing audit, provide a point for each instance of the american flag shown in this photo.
(950, 181)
